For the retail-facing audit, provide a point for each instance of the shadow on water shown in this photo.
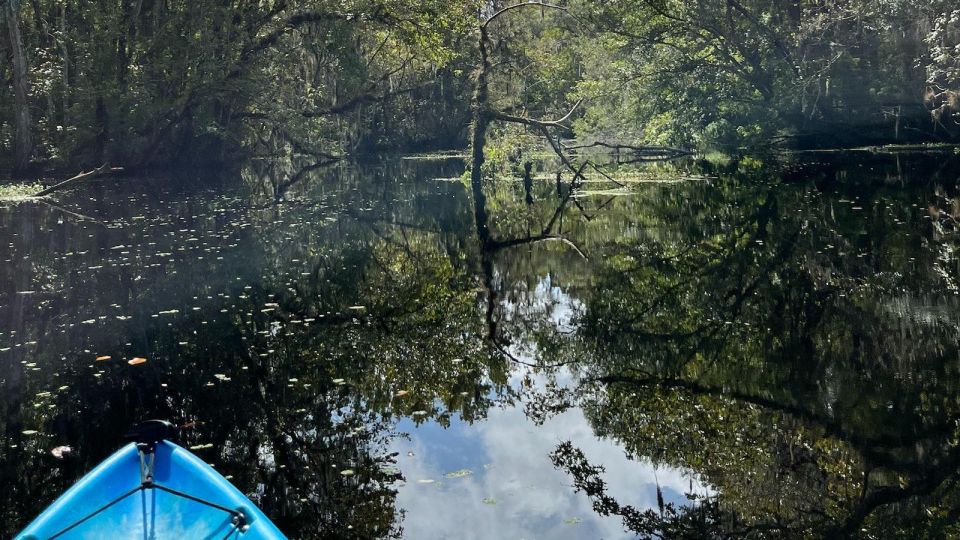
(780, 342)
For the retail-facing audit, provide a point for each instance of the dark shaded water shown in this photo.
(743, 348)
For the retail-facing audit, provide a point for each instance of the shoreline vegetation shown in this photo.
(142, 84)
(19, 189)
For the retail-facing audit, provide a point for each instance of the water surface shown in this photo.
(748, 347)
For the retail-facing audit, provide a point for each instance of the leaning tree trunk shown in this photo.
(23, 143)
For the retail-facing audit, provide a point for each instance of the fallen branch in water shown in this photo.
(103, 170)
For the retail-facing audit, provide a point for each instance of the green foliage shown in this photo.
(727, 74)
(943, 71)
(144, 82)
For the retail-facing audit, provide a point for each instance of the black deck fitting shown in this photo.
(147, 434)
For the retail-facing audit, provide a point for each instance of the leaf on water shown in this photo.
(490, 500)
(572, 521)
(137, 361)
(103, 358)
(462, 473)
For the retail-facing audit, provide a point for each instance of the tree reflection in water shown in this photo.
(791, 344)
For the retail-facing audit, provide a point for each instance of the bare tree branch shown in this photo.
(520, 5)
(498, 115)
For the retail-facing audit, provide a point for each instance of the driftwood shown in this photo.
(103, 170)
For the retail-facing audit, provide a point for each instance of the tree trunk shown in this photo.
(65, 54)
(23, 143)
(478, 139)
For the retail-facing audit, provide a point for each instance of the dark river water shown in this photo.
(747, 348)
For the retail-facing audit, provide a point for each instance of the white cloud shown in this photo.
(533, 499)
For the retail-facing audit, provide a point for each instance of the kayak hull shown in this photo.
(186, 499)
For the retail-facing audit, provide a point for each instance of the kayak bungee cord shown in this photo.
(238, 520)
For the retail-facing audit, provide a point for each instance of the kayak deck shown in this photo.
(181, 498)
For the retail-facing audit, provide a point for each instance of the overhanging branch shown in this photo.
(520, 5)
